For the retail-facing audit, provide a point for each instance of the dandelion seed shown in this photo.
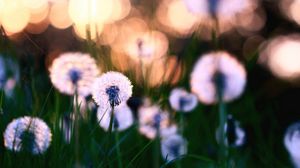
(111, 89)
(182, 101)
(292, 142)
(173, 147)
(235, 135)
(217, 74)
(27, 134)
(123, 117)
(152, 119)
(74, 70)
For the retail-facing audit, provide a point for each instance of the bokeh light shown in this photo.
(281, 55)
(175, 18)
(59, 16)
(14, 16)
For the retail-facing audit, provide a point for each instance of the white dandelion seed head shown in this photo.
(111, 89)
(74, 69)
(173, 147)
(218, 69)
(182, 101)
(39, 135)
(236, 135)
(152, 119)
(123, 117)
(292, 142)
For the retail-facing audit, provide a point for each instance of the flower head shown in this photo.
(74, 70)
(217, 74)
(27, 134)
(123, 117)
(181, 100)
(111, 89)
(222, 9)
(9, 75)
(234, 133)
(153, 121)
(66, 125)
(292, 142)
(172, 147)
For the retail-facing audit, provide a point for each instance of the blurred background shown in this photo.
(169, 35)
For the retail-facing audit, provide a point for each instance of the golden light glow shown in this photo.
(121, 9)
(84, 31)
(90, 11)
(59, 16)
(128, 28)
(176, 18)
(282, 56)
(14, 16)
(34, 4)
(146, 46)
(39, 14)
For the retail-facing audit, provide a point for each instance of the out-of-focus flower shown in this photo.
(146, 46)
(223, 15)
(27, 134)
(235, 135)
(218, 72)
(173, 147)
(292, 142)
(123, 117)
(281, 56)
(152, 119)
(9, 75)
(111, 89)
(66, 125)
(222, 9)
(85, 105)
(182, 101)
(74, 70)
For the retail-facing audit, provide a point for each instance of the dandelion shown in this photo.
(292, 142)
(85, 105)
(146, 46)
(27, 134)
(218, 74)
(66, 125)
(123, 117)
(183, 101)
(9, 75)
(152, 119)
(111, 89)
(173, 147)
(234, 133)
(222, 9)
(74, 71)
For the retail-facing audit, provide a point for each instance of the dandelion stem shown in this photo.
(119, 154)
(76, 125)
(222, 120)
(110, 130)
(181, 123)
(156, 151)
